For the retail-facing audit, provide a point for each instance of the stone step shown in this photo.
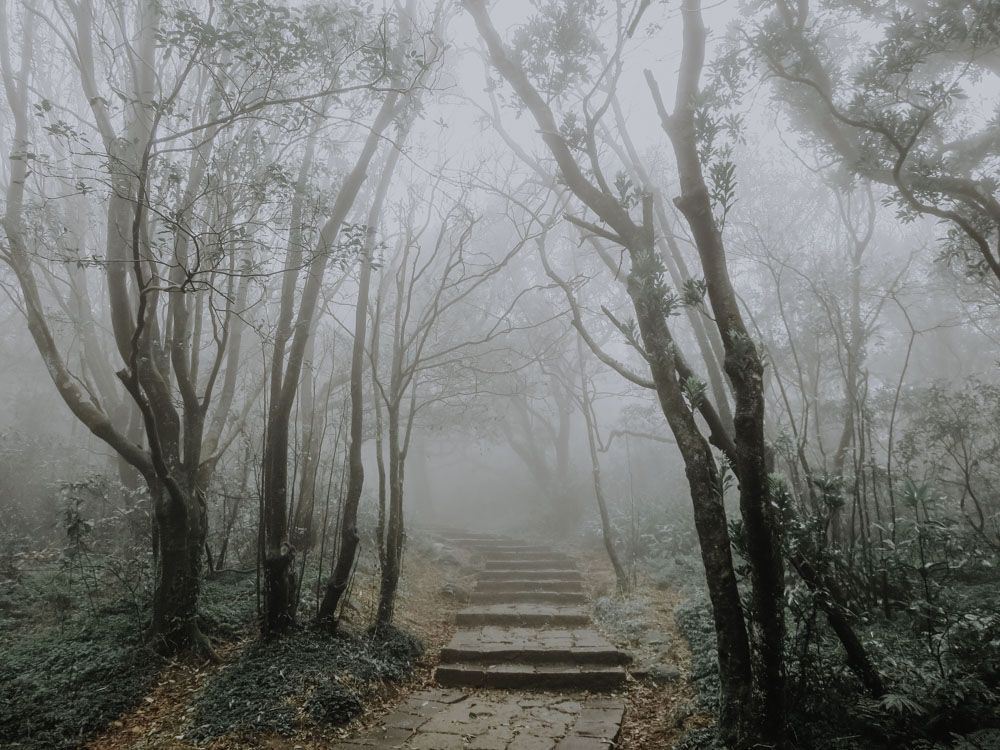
(529, 638)
(500, 655)
(476, 543)
(533, 596)
(451, 533)
(493, 645)
(547, 676)
(528, 553)
(522, 615)
(540, 564)
(521, 585)
(547, 574)
(507, 550)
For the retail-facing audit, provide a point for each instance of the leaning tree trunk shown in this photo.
(745, 370)
(736, 718)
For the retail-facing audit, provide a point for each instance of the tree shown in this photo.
(348, 549)
(437, 313)
(752, 677)
(406, 112)
(178, 238)
(901, 115)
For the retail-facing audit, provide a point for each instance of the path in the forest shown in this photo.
(526, 629)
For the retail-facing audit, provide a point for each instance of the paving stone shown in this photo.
(530, 742)
(574, 742)
(402, 720)
(602, 722)
(435, 741)
(384, 737)
(495, 739)
(567, 707)
(550, 716)
(604, 703)
(532, 703)
(439, 695)
(534, 728)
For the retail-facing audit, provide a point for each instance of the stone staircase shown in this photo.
(527, 626)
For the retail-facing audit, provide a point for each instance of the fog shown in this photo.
(472, 198)
(282, 282)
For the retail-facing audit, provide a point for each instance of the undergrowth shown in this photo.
(626, 617)
(304, 677)
(828, 709)
(71, 663)
(59, 687)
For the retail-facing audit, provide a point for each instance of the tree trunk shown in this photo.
(394, 527)
(602, 506)
(745, 369)
(278, 549)
(179, 528)
(736, 717)
(349, 538)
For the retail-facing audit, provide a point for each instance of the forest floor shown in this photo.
(658, 708)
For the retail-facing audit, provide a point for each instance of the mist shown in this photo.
(343, 300)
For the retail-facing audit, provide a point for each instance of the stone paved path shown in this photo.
(526, 629)
(453, 720)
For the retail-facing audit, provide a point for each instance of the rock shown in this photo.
(443, 556)
(663, 674)
(680, 713)
(453, 591)
(654, 638)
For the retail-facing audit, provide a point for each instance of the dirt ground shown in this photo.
(434, 586)
(656, 715)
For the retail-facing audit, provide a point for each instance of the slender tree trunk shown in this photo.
(736, 717)
(279, 552)
(621, 576)
(394, 527)
(379, 441)
(349, 538)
